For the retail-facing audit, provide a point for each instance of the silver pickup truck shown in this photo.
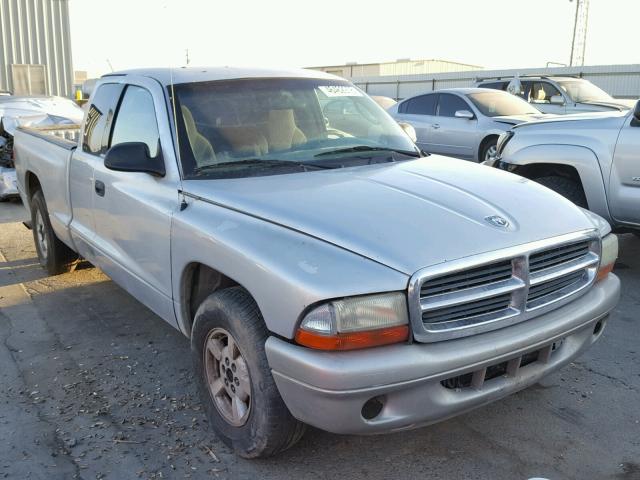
(592, 159)
(325, 272)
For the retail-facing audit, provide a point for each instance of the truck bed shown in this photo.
(65, 136)
(45, 152)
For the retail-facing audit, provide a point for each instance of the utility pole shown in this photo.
(186, 53)
(579, 41)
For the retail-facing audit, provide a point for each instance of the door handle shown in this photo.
(436, 126)
(99, 187)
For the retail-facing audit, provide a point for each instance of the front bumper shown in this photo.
(329, 389)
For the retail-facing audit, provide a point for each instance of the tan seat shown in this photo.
(203, 152)
(246, 140)
(282, 131)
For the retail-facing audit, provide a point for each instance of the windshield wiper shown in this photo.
(258, 162)
(368, 148)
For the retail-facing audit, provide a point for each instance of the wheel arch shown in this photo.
(572, 161)
(31, 184)
(197, 282)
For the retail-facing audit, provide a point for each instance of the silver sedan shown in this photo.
(463, 122)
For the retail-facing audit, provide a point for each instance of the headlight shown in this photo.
(608, 256)
(356, 322)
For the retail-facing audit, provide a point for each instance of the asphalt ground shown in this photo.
(93, 385)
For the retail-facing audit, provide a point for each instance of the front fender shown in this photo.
(583, 159)
(284, 270)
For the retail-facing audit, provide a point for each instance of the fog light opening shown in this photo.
(598, 328)
(372, 408)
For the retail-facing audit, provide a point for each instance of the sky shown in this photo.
(302, 33)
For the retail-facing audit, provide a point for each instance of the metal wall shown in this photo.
(36, 32)
(621, 81)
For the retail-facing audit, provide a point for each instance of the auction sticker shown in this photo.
(340, 91)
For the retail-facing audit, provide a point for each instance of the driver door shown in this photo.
(624, 181)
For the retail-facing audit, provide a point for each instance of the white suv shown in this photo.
(558, 95)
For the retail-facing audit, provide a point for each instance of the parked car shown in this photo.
(36, 110)
(593, 160)
(323, 276)
(463, 122)
(559, 95)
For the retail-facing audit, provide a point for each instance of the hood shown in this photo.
(37, 111)
(614, 104)
(405, 215)
(516, 119)
(613, 117)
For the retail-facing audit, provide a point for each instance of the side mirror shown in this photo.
(409, 130)
(636, 111)
(464, 114)
(134, 157)
(556, 100)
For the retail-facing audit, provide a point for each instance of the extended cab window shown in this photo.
(103, 104)
(136, 120)
(449, 104)
(422, 105)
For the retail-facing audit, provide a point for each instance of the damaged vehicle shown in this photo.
(324, 274)
(18, 111)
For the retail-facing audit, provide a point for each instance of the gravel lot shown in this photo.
(93, 385)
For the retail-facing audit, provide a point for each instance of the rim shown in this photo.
(227, 377)
(41, 235)
(491, 153)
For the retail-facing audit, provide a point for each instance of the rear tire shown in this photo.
(54, 256)
(567, 187)
(227, 345)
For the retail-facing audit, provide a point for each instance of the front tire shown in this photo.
(238, 392)
(567, 187)
(489, 150)
(54, 256)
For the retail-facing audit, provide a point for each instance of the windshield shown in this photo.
(237, 128)
(583, 91)
(496, 104)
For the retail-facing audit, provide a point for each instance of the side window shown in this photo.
(449, 104)
(136, 120)
(541, 92)
(99, 116)
(422, 105)
(495, 85)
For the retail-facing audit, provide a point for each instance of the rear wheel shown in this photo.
(238, 392)
(53, 255)
(567, 187)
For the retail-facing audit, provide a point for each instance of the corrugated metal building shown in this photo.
(621, 81)
(399, 67)
(35, 47)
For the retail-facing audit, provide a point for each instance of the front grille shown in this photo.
(556, 256)
(472, 309)
(539, 293)
(467, 279)
(472, 295)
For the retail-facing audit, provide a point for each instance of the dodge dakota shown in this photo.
(324, 270)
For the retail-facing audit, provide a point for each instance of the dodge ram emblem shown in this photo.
(497, 221)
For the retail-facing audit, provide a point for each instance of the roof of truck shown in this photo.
(168, 75)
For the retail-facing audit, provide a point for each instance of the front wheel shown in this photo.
(237, 389)
(54, 256)
(489, 150)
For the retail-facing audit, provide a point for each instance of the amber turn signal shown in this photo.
(353, 340)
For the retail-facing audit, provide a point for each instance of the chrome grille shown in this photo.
(490, 291)
(467, 279)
